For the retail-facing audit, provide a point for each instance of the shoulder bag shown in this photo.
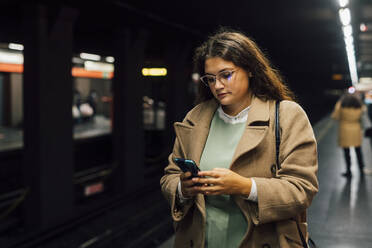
(311, 243)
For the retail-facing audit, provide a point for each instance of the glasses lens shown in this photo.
(225, 76)
(207, 79)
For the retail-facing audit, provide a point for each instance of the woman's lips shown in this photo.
(221, 95)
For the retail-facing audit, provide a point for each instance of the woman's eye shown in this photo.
(226, 75)
(210, 79)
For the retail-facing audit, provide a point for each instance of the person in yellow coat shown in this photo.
(348, 111)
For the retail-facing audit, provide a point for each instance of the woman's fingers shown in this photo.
(209, 190)
(212, 173)
(205, 180)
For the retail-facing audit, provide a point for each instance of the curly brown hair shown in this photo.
(265, 83)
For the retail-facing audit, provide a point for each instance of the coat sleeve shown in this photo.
(292, 190)
(336, 111)
(169, 183)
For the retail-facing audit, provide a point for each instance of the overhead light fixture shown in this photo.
(352, 66)
(343, 3)
(351, 90)
(363, 27)
(15, 46)
(90, 56)
(77, 60)
(365, 80)
(348, 30)
(195, 77)
(110, 59)
(154, 71)
(98, 66)
(345, 16)
(11, 57)
(349, 42)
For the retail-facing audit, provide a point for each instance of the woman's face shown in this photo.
(230, 89)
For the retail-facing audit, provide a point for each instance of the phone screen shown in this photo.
(187, 165)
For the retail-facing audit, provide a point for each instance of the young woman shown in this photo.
(348, 111)
(240, 198)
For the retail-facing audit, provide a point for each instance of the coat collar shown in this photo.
(203, 115)
(193, 132)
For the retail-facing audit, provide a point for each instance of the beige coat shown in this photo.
(283, 195)
(350, 131)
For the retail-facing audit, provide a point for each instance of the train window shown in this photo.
(92, 95)
(11, 96)
(92, 109)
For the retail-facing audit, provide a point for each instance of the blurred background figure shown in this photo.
(348, 111)
(76, 102)
(92, 101)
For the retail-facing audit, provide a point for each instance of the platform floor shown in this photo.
(12, 138)
(341, 213)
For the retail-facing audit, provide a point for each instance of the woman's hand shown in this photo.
(221, 181)
(188, 186)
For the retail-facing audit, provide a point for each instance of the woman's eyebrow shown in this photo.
(224, 69)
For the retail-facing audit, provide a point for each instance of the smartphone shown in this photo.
(187, 165)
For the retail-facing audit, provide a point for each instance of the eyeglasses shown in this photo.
(223, 76)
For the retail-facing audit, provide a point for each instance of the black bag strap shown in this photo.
(277, 133)
(277, 144)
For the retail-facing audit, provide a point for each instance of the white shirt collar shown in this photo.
(239, 118)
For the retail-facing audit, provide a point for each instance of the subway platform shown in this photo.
(339, 216)
(341, 213)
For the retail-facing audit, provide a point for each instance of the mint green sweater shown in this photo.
(226, 224)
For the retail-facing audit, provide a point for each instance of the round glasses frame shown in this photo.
(224, 77)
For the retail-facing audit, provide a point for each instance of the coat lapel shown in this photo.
(256, 128)
(192, 133)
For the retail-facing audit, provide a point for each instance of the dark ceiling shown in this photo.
(303, 38)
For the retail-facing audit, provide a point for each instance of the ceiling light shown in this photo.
(348, 30)
(351, 90)
(11, 57)
(110, 59)
(98, 66)
(77, 60)
(90, 56)
(363, 27)
(349, 41)
(15, 46)
(345, 16)
(352, 67)
(343, 3)
(154, 71)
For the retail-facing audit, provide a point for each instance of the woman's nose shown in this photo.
(218, 84)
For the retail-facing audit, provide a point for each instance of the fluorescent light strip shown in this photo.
(343, 3)
(90, 56)
(15, 46)
(11, 57)
(110, 59)
(154, 71)
(345, 16)
(348, 30)
(98, 66)
(352, 66)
